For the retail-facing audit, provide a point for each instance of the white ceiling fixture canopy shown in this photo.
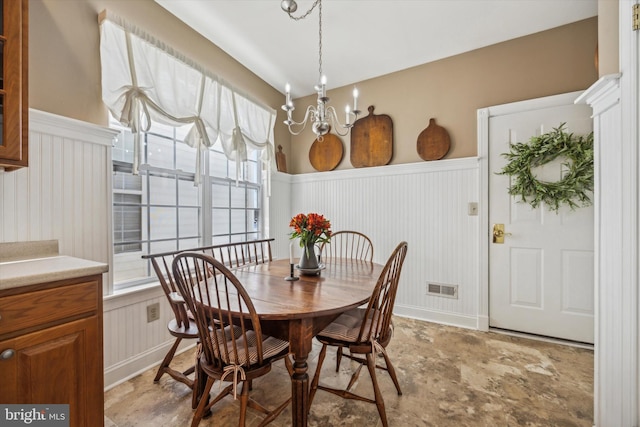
(365, 38)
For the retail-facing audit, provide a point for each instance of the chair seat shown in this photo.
(347, 326)
(191, 331)
(271, 346)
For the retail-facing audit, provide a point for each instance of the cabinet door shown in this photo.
(58, 365)
(13, 83)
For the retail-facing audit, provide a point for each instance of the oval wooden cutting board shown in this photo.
(326, 155)
(372, 140)
(433, 142)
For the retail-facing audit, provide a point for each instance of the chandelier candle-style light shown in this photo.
(324, 117)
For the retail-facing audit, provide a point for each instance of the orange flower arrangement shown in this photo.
(310, 228)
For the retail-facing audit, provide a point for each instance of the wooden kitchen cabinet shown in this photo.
(14, 97)
(51, 349)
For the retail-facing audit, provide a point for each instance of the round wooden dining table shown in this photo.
(298, 310)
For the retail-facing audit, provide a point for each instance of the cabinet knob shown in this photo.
(7, 354)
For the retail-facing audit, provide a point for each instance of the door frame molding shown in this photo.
(483, 117)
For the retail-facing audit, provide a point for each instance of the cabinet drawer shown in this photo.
(41, 307)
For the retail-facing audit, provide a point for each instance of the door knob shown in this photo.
(498, 233)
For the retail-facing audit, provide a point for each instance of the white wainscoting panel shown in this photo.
(131, 344)
(425, 204)
(280, 214)
(64, 194)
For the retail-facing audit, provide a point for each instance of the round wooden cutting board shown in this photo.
(326, 155)
(433, 142)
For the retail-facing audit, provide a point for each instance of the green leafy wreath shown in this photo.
(573, 189)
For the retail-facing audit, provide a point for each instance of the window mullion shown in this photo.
(246, 211)
(177, 186)
(147, 203)
(206, 215)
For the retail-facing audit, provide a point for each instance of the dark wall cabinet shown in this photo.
(14, 97)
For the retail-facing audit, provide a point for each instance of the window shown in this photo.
(161, 210)
(235, 210)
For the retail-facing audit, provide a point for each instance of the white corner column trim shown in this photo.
(616, 252)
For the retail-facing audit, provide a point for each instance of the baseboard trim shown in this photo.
(129, 368)
(445, 318)
(483, 323)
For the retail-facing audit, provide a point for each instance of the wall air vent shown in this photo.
(448, 291)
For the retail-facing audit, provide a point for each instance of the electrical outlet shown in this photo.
(153, 312)
(473, 209)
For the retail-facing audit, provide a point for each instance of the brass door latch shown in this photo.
(498, 233)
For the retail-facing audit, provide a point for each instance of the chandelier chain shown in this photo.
(301, 17)
(320, 40)
(307, 13)
(323, 117)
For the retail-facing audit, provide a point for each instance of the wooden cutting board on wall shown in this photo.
(433, 142)
(325, 155)
(372, 140)
(281, 160)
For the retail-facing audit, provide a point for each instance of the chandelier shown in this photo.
(324, 117)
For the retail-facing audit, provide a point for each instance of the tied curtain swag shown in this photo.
(143, 80)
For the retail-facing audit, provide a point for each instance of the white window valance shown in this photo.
(143, 80)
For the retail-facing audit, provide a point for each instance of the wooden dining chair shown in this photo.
(366, 332)
(181, 327)
(348, 245)
(233, 348)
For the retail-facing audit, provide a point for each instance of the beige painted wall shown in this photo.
(65, 75)
(451, 90)
(64, 57)
(608, 52)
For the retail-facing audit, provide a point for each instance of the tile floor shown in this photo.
(449, 377)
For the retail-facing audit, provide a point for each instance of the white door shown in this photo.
(541, 279)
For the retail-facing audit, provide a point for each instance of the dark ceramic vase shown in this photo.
(308, 259)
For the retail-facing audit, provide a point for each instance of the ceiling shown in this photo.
(362, 39)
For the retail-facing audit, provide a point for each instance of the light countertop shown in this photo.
(29, 263)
